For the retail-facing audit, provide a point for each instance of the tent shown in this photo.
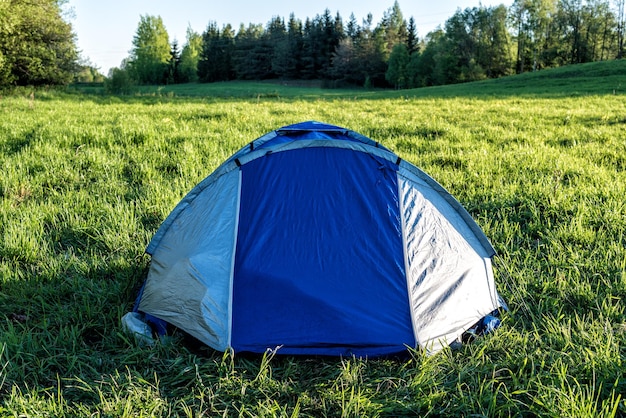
(316, 240)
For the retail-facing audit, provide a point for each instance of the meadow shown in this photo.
(539, 160)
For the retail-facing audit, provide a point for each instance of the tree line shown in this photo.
(473, 44)
(37, 46)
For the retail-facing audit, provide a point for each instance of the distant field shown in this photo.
(594, 78)
(539, 160)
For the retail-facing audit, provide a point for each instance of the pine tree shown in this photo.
(412, 44)
(173, 73)
(276, 35)
(393, 27)
(216, 59)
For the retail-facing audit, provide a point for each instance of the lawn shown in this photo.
(539, 160)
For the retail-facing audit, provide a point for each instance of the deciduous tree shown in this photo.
(189, 57)
(621, 23)
(151, 51)
(396, 73)
(37, 45)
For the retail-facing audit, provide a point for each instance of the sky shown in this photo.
(105, 29)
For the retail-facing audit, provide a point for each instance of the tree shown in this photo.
(173, 65)
(216, 58)
(412, 42)
(321, 37)
(37, 46)
(88, 73)
(276, 35)
(293, 65)
(371, 53)
(227, 47)
(352, 28)
(396, 73)
(475, 45)
(493, 49)
(436, 64)
(8, 21)
(537, 35)
(189, 57)
(621, 23)
(252, 58)
(349, 61)
(571, 25)
(311, 44)
(463, 45)
(519, 12)
(599, 22)
(118, 82)
(393, 27)
(344, 63)
(413, 71)
(151, 53)
(545, 38)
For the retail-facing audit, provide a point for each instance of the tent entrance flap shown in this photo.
(325, 252)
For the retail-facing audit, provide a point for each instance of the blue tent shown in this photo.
(316, 240)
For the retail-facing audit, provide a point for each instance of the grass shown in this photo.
(604, 78)
(539, 160)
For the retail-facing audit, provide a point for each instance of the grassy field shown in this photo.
(539, 160)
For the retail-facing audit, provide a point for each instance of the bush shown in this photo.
(119, 82)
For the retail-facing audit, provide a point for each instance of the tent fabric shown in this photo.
(342, 197)
(316, 240)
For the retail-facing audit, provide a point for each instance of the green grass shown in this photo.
(539, 160)
(604, 78)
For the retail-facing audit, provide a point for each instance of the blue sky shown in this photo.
(105, 29)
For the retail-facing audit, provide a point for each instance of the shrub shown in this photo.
(118, 82)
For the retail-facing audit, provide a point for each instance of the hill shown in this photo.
(606, 77)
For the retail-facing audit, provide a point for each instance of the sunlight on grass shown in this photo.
(87, 180)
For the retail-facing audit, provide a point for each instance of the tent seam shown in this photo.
(406, 258)
(232, 265)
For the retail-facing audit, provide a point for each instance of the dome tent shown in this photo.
(319, 241)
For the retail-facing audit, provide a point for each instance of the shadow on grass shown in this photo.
(65, 321)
